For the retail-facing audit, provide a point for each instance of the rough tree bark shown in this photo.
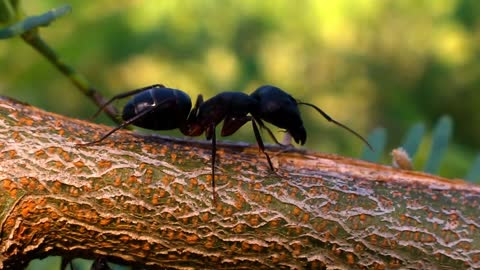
(147, 201)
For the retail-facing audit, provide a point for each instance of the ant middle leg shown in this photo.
(213, 158)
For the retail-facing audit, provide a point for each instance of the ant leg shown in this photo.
(270, 133)
(214, 153)
(191, 127)
(126, 94)
(260, 143)
(66, 261)
(232, 124)
(129, 121)
(194, 113)
(124, 124)
(100, 263)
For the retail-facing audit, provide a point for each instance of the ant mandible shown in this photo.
(150, 105)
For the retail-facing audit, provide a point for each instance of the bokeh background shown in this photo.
(366, 63)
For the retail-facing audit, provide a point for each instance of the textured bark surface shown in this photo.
(148, 201)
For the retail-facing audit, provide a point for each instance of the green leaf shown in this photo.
(33, 22)
(440, 137)
(474, 174)
(378, 139)
(413, 139)
(7, 11)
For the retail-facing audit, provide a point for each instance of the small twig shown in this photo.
(27, 28)
(33, 39)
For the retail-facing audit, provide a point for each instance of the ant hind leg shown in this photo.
(124, 124)
(124, 95)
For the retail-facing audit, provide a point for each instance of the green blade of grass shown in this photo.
(474, 174)
(8, 11)
(413, 139)
(33, 22)
(440, 137)
(378, 139)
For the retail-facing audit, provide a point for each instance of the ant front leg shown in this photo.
(260, 144)
(232, 123)
(270, 133)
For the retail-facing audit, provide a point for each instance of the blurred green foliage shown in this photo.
(366, 63)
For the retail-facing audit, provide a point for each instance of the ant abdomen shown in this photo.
(171, 108)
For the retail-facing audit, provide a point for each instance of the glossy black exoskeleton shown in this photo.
(146, 106)
(154, 107)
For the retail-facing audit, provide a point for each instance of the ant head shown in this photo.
(299, 135)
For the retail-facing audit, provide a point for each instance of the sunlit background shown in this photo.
(366, 63)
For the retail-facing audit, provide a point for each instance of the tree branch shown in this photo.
(147, 201)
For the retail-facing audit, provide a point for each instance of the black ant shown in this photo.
(157, 107)
(152, 106)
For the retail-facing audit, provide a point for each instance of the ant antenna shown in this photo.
(330, 119)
